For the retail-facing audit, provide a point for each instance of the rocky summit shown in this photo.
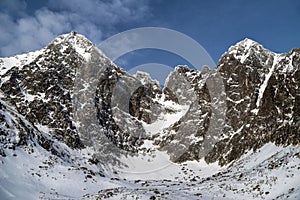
(74, 125)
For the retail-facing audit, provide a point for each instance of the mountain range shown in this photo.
(74, 125)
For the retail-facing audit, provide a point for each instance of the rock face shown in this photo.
(41, 89)
(71, 93)
(262, 90)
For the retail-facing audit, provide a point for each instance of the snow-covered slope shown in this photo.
(76, 126)
(269, 173)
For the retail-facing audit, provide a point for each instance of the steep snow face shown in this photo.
(19, 60)
(248, 49)
(165, 120)
(265, 83)
(244, 49)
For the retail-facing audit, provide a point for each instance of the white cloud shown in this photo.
(30, 33)
(104, 12)
(91, 18)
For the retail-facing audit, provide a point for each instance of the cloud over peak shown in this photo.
(24, 32)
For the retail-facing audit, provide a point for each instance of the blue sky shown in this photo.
(215, 24)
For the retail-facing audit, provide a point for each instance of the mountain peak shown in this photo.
(247, 42)
(245, 45)
(80, 43)
(73, 38)
(248, 48)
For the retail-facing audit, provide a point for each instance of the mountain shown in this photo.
(74, 125)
